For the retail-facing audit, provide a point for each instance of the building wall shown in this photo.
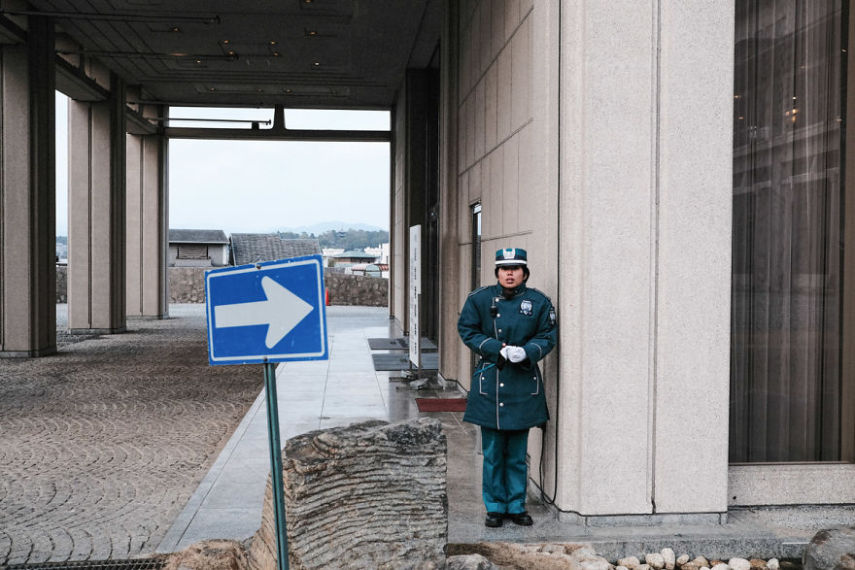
(610, 162)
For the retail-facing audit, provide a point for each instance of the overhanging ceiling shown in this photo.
(296, 53)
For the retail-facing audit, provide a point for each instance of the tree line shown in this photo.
(348, 239)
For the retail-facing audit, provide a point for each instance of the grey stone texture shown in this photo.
(61, 283)
(543, 556)
(104, 443)
(370, 495)
(210, 555)
(186, 284)
(357, 290)
(469, 562)
(832, 549)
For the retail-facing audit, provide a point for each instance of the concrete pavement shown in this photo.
(126, 445)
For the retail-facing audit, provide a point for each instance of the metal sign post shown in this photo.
(276, 466)
(265, 313)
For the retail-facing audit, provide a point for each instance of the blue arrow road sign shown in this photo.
(267, 312)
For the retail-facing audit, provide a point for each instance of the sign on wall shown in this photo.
(415, 292)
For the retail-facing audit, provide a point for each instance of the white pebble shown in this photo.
(739, 564)
(720, 566)
(668, 557)
(630, 562)
(700, 562)
(773, 564)
(621, 568)
(656, 561)
(682, 559)
(643, 567)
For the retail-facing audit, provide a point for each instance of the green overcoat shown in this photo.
(510, 398)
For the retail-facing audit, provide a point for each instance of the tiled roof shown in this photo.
(251, 248)
(198, 236)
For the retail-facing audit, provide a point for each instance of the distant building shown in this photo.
(329, 254)
(198, 248)
(351, 257)
(381, 252)
(252, 248)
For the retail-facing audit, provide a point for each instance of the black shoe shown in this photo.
(493, 520)
(522, 519)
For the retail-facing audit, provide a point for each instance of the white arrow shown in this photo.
(282, 311)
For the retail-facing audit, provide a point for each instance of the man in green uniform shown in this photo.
(510, 327)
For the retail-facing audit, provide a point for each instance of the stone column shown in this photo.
(27, 194)
(96, 212)
(645, 235)
(147, 225)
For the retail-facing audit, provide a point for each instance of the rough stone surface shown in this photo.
(655, 560)
(61, 283)
(720, 566)
(357, 290)
(757, 563)
(469, 562)
(832, 549)
(773, 564)
(370, 495)
(630, 562)
(739, 564)
(683, 559)
(210, 555)
(700, 561)
(669, 558)
(548, 556)
(187, 285)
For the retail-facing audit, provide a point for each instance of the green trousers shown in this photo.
(505, 475)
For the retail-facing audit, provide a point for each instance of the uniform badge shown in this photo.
(525, 307)
(552, 317)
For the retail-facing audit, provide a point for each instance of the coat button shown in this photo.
(500, 330)
(498, 315)
(501, 404)
(501, 384)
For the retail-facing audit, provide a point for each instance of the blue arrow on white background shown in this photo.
(281, 311)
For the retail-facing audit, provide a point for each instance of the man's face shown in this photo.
(511, 276)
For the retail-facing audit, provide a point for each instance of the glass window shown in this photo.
(787, 231)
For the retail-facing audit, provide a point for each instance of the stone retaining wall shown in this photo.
(357, 290)
(62, 284)
(187, 285)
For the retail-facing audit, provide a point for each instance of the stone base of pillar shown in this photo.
(147, 317)
(118, 330)
(28, 353)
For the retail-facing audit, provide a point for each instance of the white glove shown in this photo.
(513, 353)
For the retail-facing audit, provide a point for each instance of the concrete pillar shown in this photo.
(96, 212)
(27, 194)
(645, 206)
(147, 226)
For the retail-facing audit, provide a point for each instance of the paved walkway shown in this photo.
(124, 445)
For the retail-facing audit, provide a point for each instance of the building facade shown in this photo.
(676, 171)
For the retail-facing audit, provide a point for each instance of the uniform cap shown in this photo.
(511, 256)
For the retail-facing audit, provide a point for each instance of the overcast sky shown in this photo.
(254, 186)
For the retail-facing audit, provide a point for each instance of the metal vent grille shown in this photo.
(146, 564)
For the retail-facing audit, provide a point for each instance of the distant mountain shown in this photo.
(322, 227)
